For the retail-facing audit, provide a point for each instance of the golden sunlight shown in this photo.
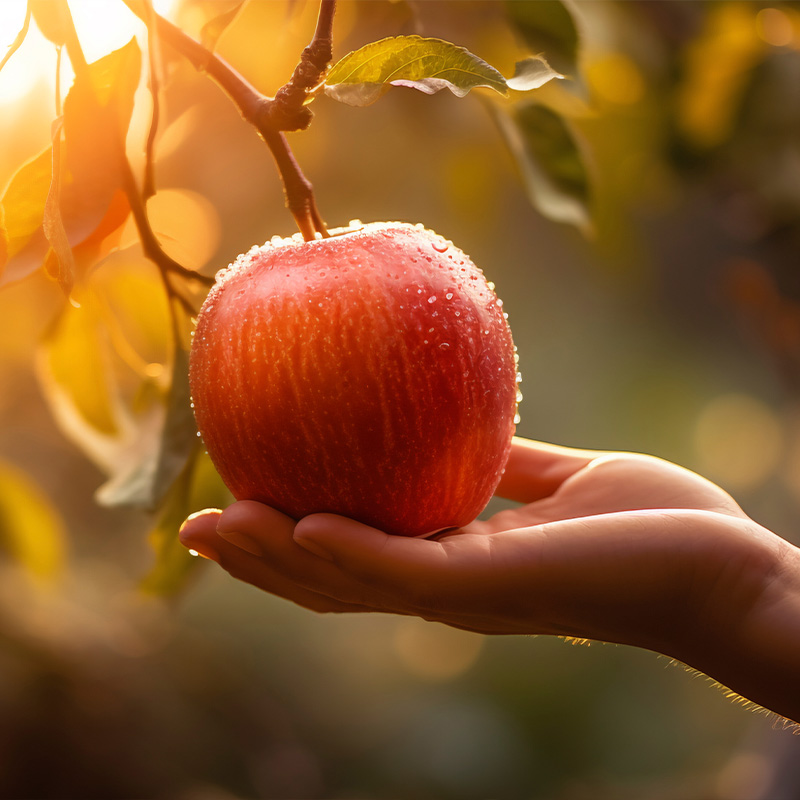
(102, 26)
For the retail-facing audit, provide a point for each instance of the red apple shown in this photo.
(370, 374)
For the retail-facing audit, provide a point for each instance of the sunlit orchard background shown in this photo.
(673, 328)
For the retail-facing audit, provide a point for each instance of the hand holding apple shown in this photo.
(609, 546)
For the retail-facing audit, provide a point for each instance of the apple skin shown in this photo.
(371, 374)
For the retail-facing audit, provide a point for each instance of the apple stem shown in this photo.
(287, 111)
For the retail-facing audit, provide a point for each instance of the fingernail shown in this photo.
(313, 547)
(202, 513)
(242, 542)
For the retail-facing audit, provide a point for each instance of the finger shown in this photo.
(536, 469)
(199, 533)
(405, 574)
(200, 529)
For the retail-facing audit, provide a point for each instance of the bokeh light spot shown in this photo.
(435, 652)
(774, 27)
(617, 79)
(738, 440)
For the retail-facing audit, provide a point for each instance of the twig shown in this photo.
(149, 182)
(150, 244)
(289, 111)
(19, 39)
(258, 109)
(73, 45)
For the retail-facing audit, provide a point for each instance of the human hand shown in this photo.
(610, 546)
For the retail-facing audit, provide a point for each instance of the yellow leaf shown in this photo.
(31, 529)
(718, 68)
(198, 486)
(62, 267)
(75, 367)
(135, 310)
(24, 200)
(97, 113)
(52, 19)
(3, 240)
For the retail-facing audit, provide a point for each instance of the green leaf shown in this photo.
(550, 162)
(198, 486)
(548, 27)
(31, 529)
(428, 65)
(215, 27)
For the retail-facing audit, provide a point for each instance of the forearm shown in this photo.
(753, 646)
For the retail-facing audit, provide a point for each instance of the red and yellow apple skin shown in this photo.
(371, 374)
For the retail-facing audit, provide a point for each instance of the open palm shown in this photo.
(597, 550)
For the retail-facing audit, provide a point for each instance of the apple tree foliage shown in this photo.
(115, 379)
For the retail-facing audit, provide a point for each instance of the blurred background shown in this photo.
(667, 321)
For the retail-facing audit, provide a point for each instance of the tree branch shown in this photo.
(269, 116)
(289, 106)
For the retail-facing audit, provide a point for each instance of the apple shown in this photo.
(370, 374)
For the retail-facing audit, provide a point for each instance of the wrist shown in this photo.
(746, 633)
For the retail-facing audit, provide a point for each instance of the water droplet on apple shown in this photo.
(432, 298)
(449, 296)
(444, 346)
(519, 396)
(517, 419)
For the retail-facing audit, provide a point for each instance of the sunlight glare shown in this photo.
(102, 26)
(23, 70)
